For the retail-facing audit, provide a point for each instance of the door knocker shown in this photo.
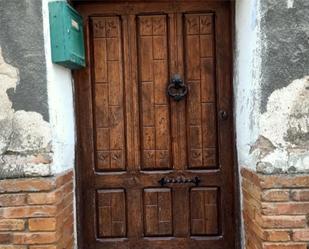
(177, 89)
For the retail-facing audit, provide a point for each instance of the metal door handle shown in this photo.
(177, 89)
(180, 180)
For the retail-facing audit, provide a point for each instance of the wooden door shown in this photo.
(156, 171)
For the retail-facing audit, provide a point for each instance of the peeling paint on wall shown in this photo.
(285, 128)
(22, 42)
(8, 79)
(285, 44)
(25, 138)
(271, 95)
(289, 4)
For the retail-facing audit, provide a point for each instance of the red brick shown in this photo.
(301, 235)
(300, 195)
(34, 238)
(44, 247)
(284, 246)
(64, 178)
(11, 200)
(5, 238)
(275, 195)
(253, 227)
(67, 212)
(251, 201)
(277, 235)
(285, 208)
(65, 243)
(251, 189)
(24, 212)
(47, 210)
(275, 211)
(42, 224)
(249, 211)
(68, 188)
(67, 229)
(71, 244)
(68, 199)
(27, 185)
(250, 176)
(281, 221)
(50, 198)
(252, 241)
(12, 225)
(42, 198)
(12, 247)
(274, 181)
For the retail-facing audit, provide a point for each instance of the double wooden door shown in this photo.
(155, 126)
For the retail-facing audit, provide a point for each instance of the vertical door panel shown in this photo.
(153, 79)
(109, 94)
(200, 77)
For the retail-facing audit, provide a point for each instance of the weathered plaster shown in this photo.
(29, 145)
(22, 42)
(285, 44)
(30, 133)
(246, 78)
(271, 100)
(25, 138)
(8, 79)
(285, 125)
(13, 166)
(25, 134)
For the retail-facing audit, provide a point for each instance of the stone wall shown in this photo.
(37, 213)
(275, 211)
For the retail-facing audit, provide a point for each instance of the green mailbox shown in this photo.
(66, 34)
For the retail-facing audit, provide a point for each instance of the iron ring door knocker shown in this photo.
(177, 89)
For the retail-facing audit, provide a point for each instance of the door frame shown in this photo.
(78, 160)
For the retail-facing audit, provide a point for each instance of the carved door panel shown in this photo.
(155, 126)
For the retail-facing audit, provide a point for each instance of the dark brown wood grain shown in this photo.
(131, 134)
(153, 75)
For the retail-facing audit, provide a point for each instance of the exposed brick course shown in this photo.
(275, 210)
(37, 213)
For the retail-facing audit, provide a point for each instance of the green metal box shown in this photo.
(66, 34)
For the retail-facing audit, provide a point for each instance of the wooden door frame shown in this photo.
(78, 161)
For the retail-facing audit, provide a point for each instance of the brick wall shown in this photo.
(37, 213)
(275, 211)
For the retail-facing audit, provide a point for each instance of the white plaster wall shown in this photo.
(61, 110)
(246, 78)
(246, 85)
(61, 105)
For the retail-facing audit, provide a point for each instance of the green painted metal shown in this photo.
(66, 34)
